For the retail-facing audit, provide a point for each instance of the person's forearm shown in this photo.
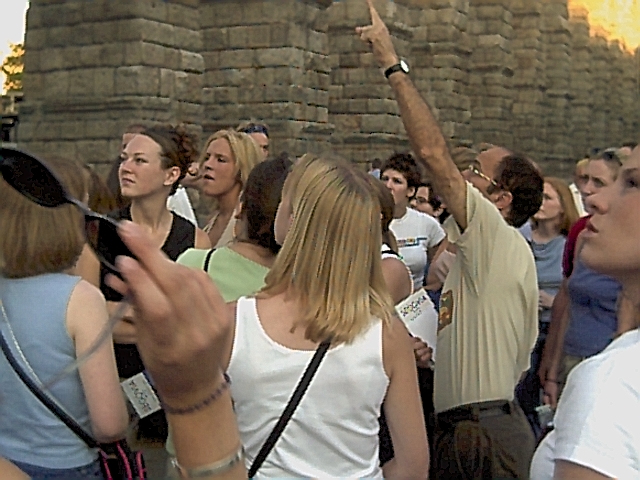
(557, 329)
(8, 471)
(208, 436)
(430, 146)
(425, 136)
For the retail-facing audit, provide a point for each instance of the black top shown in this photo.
(181, 237)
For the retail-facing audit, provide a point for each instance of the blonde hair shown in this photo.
(246, 152)
(37, 240)
(330, 258)
(582, 163)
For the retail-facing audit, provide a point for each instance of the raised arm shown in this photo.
(423, 130)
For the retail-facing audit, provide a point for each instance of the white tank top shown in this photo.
(334, 430)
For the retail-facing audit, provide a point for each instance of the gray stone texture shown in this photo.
(524, 74)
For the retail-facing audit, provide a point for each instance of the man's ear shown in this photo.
(503, 200)
(411, 191)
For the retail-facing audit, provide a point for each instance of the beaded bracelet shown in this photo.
(226, 382)
(216, 468)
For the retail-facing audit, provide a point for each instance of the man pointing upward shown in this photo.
(489, 306)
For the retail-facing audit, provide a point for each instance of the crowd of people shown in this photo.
(292, 286)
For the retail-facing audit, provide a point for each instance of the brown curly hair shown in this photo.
(179, 148)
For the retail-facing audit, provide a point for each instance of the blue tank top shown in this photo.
(36, 308)
(593, 324)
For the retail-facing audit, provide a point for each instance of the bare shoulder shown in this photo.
(85, 294)
(87, 308)
(394, 264)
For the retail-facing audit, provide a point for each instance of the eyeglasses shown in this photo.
(473, 169)
(34, 179)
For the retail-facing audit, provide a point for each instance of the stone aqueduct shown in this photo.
(521, 73)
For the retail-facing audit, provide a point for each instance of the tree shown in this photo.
(13, 68)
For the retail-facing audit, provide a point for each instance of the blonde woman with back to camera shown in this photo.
(326, 284)
(225, 165)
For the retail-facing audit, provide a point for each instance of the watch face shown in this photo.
(404, 66)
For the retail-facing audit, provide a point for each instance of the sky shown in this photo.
(12, 21)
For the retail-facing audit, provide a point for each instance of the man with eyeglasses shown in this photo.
(488, 320)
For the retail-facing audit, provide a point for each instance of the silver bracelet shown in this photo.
(217, 468)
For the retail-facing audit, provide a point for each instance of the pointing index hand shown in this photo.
(377, 35)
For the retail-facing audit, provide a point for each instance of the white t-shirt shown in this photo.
(416, 232)
(598, 420)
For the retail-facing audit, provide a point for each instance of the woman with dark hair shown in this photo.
(49, 317)
(417, 233)
(153, 164)
(396, 273)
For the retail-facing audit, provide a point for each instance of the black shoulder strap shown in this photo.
(207, 260)
(44, 398)
(388, 251)
(298, 393)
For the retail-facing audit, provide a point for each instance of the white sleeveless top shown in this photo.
(334, 430)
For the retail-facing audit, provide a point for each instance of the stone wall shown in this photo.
(524, 74)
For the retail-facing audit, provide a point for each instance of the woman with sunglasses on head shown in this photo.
(417, 233)
(597, 434)
(549, 229)
(48, 318)
(225, 164)
(583, 315)
(153, 164)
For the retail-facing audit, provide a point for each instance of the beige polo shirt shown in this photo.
(488, 321)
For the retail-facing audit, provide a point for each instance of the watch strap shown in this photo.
(393, 69)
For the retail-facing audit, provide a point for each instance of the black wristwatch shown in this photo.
(401, 66)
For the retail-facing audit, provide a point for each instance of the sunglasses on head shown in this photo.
(255, 128)
(34, 179)
(611, 155)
